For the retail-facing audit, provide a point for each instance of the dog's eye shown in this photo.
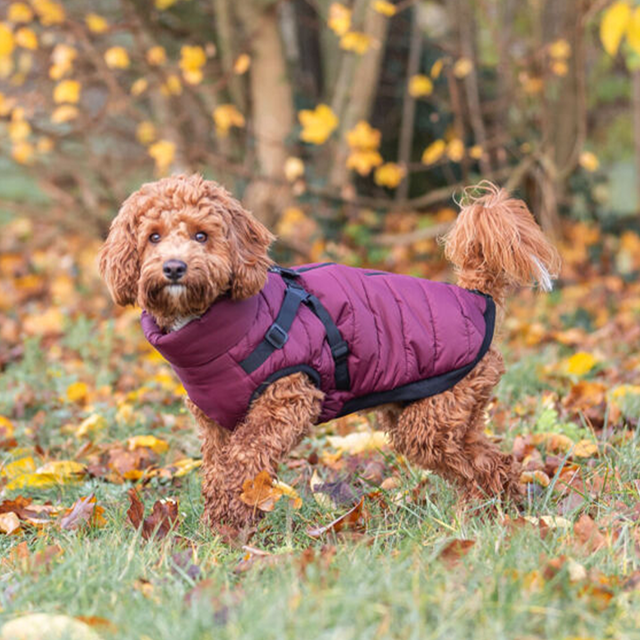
(154, 237)
(201, 236)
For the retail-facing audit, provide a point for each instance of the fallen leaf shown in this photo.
(588, 534)
(162, 520)
(84, 511)
(455, 550)
(355, 517)
(9, 523)
(37, 626)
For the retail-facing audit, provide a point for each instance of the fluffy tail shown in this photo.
(495, 244)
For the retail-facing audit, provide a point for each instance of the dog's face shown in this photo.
(179, 244)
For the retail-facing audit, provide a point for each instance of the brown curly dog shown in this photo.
(183, 243)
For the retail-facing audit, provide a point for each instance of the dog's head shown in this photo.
(178, 244)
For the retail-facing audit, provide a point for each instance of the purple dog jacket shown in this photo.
(364, 337)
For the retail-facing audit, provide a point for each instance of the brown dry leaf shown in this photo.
(455, 550)
(84, 511)
(535, 477)
(260, 492)
(352, 518)
(264, 558)
(98, 623)
(9, 523)
(163, 518)
(588, 534)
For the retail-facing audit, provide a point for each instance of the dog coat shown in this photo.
(364, 337)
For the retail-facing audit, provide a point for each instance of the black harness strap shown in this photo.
(278, 333)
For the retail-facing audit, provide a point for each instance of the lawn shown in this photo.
(89, 412)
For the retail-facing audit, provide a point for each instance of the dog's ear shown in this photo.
(250, 260)
(118, 261)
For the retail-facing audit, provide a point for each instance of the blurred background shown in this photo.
(350, 128)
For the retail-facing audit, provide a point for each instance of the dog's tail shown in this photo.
(495, 244)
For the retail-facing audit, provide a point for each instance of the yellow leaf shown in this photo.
(146, 132)
(19, 130)
(559, 68)
(64, 113)
(535, 477)
(6, 428)
(156, 56)
(290, 492)
(36, 626)
(580, 363)
(62, 59)
(475, 152)
(585, 449)
(77, 392)
(67, 91)
(163, 153)
(356, 41)
(18, 467)
(293, 169)
(90, 425)
(226, 116)
(184, 466)
(614, 23)
(172, 86)
(560, 49)
(22, 152)
(360, 441)
(385, 8)
(290, 221)
(9, 523)
(363, 161)
(589, 161)
(148, 442)
(191, 62)
(117, 58)
(96, 23)
(389, 175)
(63, 469)
(26, 38)
(49, 12)
(317, 125)
(363, 137)
(19, 12)
(455, 150)
(164, 4)
(436, 68)
(339, 18)
(434, 152)
(462, 68)
(139, 86)
(420, 85)
(633, 31)
(242, 64)
(6, 41)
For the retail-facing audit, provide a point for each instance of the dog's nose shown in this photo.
(174, 269)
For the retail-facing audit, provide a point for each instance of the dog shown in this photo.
(266, 352)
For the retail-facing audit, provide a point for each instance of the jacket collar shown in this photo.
(222, 326)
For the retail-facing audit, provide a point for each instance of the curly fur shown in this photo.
(494, 245)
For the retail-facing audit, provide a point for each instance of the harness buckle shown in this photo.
(276, 336)
(340, 351)
(285, 272)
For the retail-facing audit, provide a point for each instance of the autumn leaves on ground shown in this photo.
(100, 502)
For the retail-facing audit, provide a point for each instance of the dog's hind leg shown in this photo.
(445, 433)
(277, 421)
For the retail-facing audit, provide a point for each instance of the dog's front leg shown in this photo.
(276, 422)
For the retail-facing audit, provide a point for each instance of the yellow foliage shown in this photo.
(579, 364)
(436, 68)
(363, 137)
(560, 49)
(96, 24)
(242, 64)
(7, 43)
(356, 41)
(163, 153)
(455, 150)
(226, 116)
(535, 477)
(317, 125)
(360, 441)
(339, 18)
(363, 161)
(64, 113)
(633, 31)
(26, 38)
(67, 91)
(589, 161)
(139, 86)
(18, 467)
(156, 56)
(389, 175)
(19, 12)
(420, 85)
(462, 67)
(164, 4)
(172, 86)
(22, 152)
(290, 220)
(434, 152)
(146, 132)
(77, 392)
(90, 425)
(148, 442)
(585, 449)
(62, 59)
(385, 8)
(49, 12)
(192, 59)
(614, 25)
(19, 130)
(293, 169)
(475, 152)
(559, 68)
(6, 428)
(117, 58)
